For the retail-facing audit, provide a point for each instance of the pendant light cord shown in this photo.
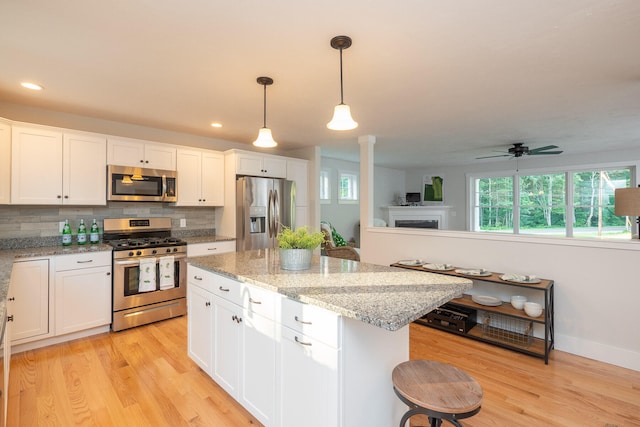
(264, 110)
(341, 90)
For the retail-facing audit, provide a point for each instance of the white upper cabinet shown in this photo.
(136, 153)
(52, 168)
(248, 163)
(200, 178)
(84, 172)
(5, 163)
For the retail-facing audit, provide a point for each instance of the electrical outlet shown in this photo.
(60, 226)
(183, 222)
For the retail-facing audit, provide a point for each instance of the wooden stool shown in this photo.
(440, 391)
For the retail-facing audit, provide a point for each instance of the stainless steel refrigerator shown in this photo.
(264, 206)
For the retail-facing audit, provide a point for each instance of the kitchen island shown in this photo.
(313, 347)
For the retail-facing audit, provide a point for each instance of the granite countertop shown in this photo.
(387, 297)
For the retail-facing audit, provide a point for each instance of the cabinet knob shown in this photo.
(10, 318)
(59, 196)
(66, 197)
(12, 299)
(108, 273)
(141, 161)
(146, 161)
(207, 304)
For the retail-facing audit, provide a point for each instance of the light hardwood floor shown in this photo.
(143, 377)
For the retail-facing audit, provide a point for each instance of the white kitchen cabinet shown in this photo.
(200, 326)
(309, 365)
(5, 163)
(297, 171)
(243, 337)
(248, 163)
(29, 300)
(82, 291)
(137, 153)
(210, 248)
(308, 377)
(49, 167)
(200, 178)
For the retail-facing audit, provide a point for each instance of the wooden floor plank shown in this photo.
(143, 377)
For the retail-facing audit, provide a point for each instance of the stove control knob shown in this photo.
(168, 250)
(139, 253)
(175, 249)
(154, 252)
(130, 253)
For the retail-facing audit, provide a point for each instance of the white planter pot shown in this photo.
(295, 259)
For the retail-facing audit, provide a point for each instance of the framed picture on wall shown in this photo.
(432, 189)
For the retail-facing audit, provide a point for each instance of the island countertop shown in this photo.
(386, 297)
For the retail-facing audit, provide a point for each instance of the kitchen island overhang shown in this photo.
(324, 341)
(386, 297)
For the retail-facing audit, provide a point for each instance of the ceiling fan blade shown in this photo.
(537, 153)
(499, 155)
(545, 148)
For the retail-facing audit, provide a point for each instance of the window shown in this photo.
(348, 187)
(563, 203)
(325, 186)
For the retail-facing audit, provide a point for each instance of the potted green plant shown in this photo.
(296, 247)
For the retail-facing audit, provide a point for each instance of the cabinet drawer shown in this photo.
(260, 301)
(83, 260)
(210, 248)
(221, 286)
(312, 321)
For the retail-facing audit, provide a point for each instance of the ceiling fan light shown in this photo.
(265, 140)
(342, 119)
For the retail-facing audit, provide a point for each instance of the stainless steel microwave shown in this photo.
(141, 185)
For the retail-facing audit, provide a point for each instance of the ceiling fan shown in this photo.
(519, 150)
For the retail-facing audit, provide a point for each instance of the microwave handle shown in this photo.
(164, 186)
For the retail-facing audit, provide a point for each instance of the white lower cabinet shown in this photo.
(82, 291)
(231, 341)
(292, 364)
(29, 300)
(210, 248)
(308, 380)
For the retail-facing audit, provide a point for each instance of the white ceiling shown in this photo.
(436, 82)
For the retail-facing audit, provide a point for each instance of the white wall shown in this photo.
(346, 217)
(596, 282)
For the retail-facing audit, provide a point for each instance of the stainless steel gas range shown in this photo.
(149, 271)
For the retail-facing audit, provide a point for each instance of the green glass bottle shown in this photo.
(94, 233)
(66, 234)
(82, 233)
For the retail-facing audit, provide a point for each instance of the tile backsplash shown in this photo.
(43, 221)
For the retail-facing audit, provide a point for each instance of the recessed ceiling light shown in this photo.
(216, 125)
(32, 86)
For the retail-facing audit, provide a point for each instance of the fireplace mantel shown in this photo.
(417, 213)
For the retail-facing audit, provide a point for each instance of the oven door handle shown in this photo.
(131, 262)
(164, 187)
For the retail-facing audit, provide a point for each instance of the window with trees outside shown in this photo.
(348, 187)
(569, 203)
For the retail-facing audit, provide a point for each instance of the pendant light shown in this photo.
(265, 140)
(342, 113)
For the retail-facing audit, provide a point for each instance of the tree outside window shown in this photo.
(573, 204)
(348, 187)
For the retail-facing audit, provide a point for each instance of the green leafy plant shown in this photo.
(299, 239)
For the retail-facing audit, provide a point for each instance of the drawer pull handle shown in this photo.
(197, 277)
(302, 342)
(84, 262)
(223, 289)
(302, 321)
(252, 301)
(212, 249)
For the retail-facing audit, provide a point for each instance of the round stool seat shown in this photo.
(438, 390)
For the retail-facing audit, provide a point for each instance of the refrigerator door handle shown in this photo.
(276, 208)
(270, 213)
